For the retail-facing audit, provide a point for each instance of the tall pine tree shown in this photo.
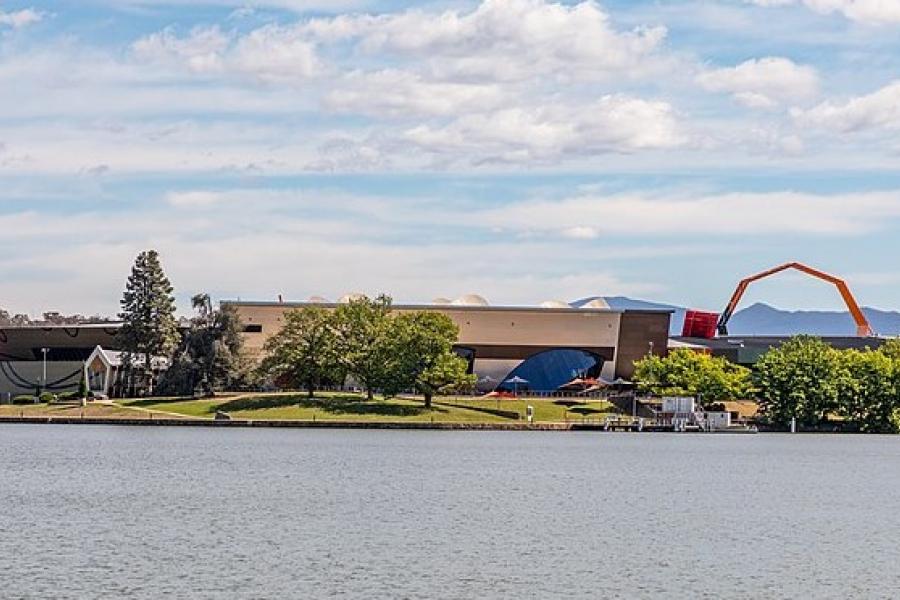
(149, 328)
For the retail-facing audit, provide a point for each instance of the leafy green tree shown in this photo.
(149, 328)
(689, 373)
(211, 355)
(303, 353)
(891, 349)
(867, 390)
(799, 379)
(365, 347)
(447, 373)
(424, 354)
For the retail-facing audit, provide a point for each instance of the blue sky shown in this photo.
(523, 149)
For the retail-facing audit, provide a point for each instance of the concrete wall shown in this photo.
(504, 336)
(638, 331)
(17, 377)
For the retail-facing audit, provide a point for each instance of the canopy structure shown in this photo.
(516, 382)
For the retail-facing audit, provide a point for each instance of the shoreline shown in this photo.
(298, 424)
(187, 422)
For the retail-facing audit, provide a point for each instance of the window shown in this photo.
(252, 328)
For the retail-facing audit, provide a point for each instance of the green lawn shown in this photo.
(351, 407)
(69, 410)
(546, 411)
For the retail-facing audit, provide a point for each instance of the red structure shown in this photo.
(700, 324)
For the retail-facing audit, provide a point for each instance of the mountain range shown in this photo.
(762, 319)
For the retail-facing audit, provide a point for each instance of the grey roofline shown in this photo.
(462, 307)
(72, 326)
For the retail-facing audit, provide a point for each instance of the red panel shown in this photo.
(700, 324)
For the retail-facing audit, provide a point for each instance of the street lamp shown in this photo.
(44, 351)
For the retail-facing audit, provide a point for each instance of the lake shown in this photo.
(143, 512)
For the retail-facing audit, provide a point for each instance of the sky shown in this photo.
(525, 150)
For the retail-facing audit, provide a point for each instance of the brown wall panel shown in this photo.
(637, 332)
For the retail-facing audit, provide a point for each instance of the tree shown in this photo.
(891, 349)
(303, 352)
(364, 346)
(424, 354)
(867, 391)
(149, 328)
(689, 373)
(799, 380)
(211, 354)
(447, 373)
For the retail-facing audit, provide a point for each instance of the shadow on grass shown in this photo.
(497, 412)
(586, 411)
(339, 405)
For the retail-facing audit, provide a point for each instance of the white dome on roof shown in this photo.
(470, 300)
(596, 303)
(347, 298)
(442, 300)
(554, 304)
(318, 300)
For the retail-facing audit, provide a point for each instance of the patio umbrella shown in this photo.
(577, 383)
(516, 381)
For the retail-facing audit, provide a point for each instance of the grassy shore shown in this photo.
(92, 410)
(355, 408)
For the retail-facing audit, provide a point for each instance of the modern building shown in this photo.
(54, 358)
(49, 357)
(545, 346)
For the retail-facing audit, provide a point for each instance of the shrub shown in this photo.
(48, 398)
(23, 399)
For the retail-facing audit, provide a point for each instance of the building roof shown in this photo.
(455, 307)
(52, 326)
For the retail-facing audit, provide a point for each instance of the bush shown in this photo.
(23, 399)
(48, 398)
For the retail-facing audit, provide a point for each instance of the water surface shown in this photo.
(144, 512)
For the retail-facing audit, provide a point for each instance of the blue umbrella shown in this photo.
(516, 381)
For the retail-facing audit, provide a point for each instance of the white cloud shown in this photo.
(201, 51)
(879, 111)
(194, 199)
(499, 40)
(503, 39)
(274, 53)
(871, 12)
(299, 6)
(549, 133)
(398, 93)
(763, 83)
(347, 242)
(580, 232)
(20, 18)
(768, 213)
(229, 254)
(270, 54)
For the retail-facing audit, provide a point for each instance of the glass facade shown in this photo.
(548, 370)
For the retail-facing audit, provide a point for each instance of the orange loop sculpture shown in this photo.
(863, 329)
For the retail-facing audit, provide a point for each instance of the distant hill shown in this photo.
(762, 319)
